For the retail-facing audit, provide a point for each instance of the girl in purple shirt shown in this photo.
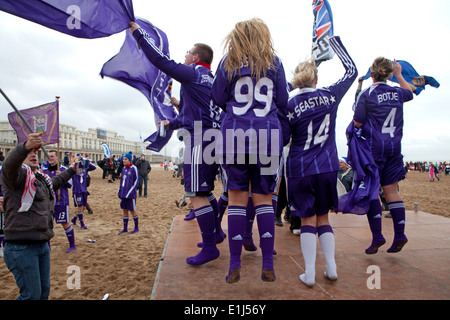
(309, 123)
(250, 85)
(379, 114)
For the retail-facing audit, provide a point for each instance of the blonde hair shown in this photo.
(249, 44)
(305, 74)
(382, 69)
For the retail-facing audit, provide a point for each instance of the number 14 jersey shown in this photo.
(310, 119)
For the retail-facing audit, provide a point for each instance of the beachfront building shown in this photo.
(77, 141)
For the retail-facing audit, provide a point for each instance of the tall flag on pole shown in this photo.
(132, 67)
(79, 18)
(322, 31)
(43, 118)
(106, 150)
(416, 81)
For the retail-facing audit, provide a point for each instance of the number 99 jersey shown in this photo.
(250, 103)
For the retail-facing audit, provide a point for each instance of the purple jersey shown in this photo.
(79, 179)
(250, 104)
(380, 109)
(128, 183)
(310, 118)
(195, 92)
(63, 193)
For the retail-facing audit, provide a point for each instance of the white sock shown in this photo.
(308, 243)
(327, 243)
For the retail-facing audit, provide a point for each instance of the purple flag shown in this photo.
(43, 118)
(366, 184)
(78, 18)
(131, 66)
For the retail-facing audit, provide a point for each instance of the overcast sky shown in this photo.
(37, 64)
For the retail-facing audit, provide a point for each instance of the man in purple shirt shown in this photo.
(197, 114)
(61, 213)
(379, 114)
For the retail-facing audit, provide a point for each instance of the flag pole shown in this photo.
(21, 117)
(57, 145)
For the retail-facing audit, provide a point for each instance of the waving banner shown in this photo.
(78, 18)
(322, 31)
(106, 150)
(43, 118)
(416, 81)
(131, 66)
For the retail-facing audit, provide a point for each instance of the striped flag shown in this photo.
(322, 31)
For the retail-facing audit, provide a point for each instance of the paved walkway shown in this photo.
(420, 271)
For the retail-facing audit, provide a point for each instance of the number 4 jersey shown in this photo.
(380, 109)
(310, 119)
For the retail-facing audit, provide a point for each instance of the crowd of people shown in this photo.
(34, 195)
(250, 88)
(248, 91)
(434, 169)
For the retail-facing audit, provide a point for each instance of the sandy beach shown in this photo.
(125, 266)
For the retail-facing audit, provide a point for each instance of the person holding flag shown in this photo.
(379, 114)
(195, 108)
(29, 200)
(312, 164)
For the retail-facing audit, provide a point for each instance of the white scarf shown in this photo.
(29, 190)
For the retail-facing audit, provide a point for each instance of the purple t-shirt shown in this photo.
(251, 106)
(380, 109)
(128, 183)
(310, 119)
(80, 179)
(195, 92)
(63, 192)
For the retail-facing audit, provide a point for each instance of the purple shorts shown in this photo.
(199, 176)
(80, 199)
(263, 178)
(61, 214)
(391, 169)
(313, 195)
(128, 204)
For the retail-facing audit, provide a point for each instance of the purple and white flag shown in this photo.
(132, 67)
(79, 18)
(43, 118)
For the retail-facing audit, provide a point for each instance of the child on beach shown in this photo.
(128, 192)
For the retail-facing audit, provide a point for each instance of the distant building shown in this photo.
(77, 141)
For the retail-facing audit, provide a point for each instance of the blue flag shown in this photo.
(416, 81)
(79, 18)
(131, 66)
(322, 31)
